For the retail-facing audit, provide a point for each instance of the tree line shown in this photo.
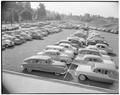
(22, 11)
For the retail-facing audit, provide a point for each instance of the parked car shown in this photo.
(79, 42)
(35, 35)
(106, 48)
(69, 47)
(63, 41)
(62, 49)
(44, 63)
(57, 55)
(18, 41)
(95, 51)
(7, 43)
(90, 59)
(21, 38)
(97, 72)
(26, 36)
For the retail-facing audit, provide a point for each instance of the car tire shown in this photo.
(29, 70)
(82, 77)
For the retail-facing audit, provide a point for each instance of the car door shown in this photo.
(42, 65)
(57, 68)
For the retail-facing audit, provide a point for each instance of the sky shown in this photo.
(106, 9)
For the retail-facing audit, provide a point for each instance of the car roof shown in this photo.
(105, 66)
(51, 50)
(55, 46)
(91, 46)
(64, 41)
(101, 44)
(91, 56)
(73, 37)
(87, 49)
(43, 57)
(66, 44)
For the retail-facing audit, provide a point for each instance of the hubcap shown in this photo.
(82, 77)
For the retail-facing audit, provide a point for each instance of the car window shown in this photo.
(97, 60)
(36, 61)
(47, 62)
(102, 46)
(66, 46)
(83, 52)
(101, 71)
(58, 53)
(88, 59)
(95, 53)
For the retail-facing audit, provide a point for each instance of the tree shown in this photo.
(27, 12)
(8, 9)
(28, 6)
(41, 12)
(58, 17)
(26, 15)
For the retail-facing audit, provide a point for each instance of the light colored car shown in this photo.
(7, 43)
(101, 53)
(97, 72)
(69, 47)
(63, 41)
(67, 42)
(26, 36)
(57, 55)
(90, 59)
(61, 49)
(44, 63)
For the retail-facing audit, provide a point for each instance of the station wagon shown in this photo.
(97, 72)
(44, 63)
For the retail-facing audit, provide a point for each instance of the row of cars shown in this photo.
(86, 50)
(96, 62)
(17, 37)
(109, 30)
(9, 27)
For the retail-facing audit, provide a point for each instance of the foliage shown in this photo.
(26, 13)
(41, 12)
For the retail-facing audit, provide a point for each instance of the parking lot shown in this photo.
(14, 56)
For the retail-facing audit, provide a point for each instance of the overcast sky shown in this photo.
(105, 9)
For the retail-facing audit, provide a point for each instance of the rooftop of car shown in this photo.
(51, 50)
(91, 56)
(101, 44)
(54, 46)
(88, 49)
(66, 44)
(43, 57)
(105, 66)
